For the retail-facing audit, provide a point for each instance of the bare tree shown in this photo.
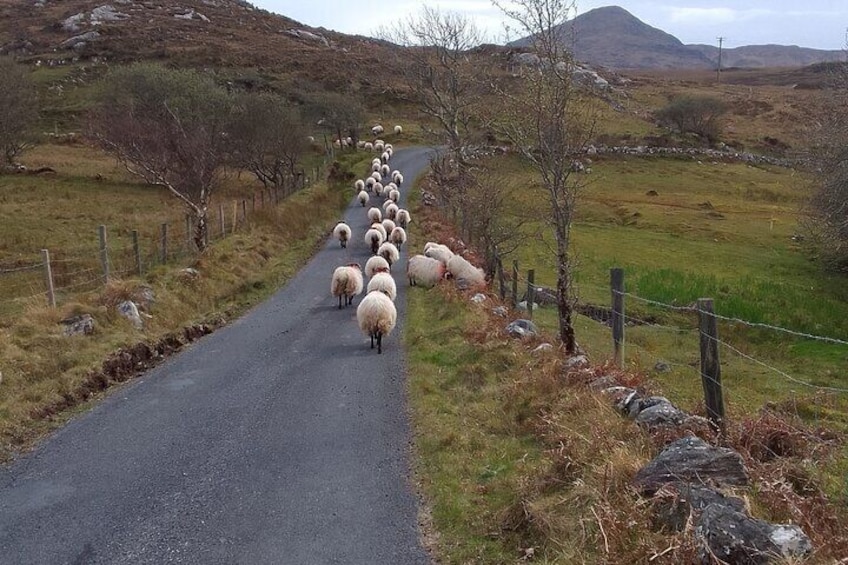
(268, 138)
(701, 115)
(826, 220)
(550, 122)
(168, 127)
(340, 114)
(18, 109)
(445, 79)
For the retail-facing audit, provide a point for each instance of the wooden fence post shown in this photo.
(164, 243)
(244, 210)
(235, 215)
(223, 220)
(136, 251)
(710, 365)
(617, 289)
(531, 292)
(514, 283)
(48, 278)
(501, 278)
(253, 202)
(104, 253)
(188, 231)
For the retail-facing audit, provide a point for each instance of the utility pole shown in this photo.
(718, 69)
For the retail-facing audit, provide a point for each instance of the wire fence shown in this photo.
(666, 341)
(57, 276)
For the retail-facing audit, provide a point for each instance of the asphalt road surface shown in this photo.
(279, 439)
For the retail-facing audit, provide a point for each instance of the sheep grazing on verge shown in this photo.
(377, 317)
(389, 252)
(347, 283)
(377, 130)
(379, 145)
(438, 251)
(388, 225)
(391, 211)
(375, 215)
(359, 185)
(378, 189)
(375, 264)
(384, 170)
(369, 146)
(379, 227)
(394, 195)
(402, 218)
(398, 236)
(363, 197)
(466, 275)
(425, 271)
(383, 281)
(342, 233)
(373, 239)
(398, 130)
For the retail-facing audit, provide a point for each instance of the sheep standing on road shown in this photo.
(398, 236)
(363, 197)
(383, 281)
(389, 252)
(373, 239)
(359, 185)
(342, 233)
(377, 317)
(388, 225)
(402, 218)
(376, 264)
(347, 283)
(375, 215)
(391, 211)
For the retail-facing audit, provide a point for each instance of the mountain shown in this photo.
(613, 37)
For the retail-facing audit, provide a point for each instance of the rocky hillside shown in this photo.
(220, 33)
(615, 38)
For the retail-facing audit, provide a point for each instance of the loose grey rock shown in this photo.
(576, 362)
(604, 382)
(73, 24)
(82, 38)
(543, 348)
(500, 311)
(303, 34)
(478, 298)
(662, 367)
(189, 273)
(78, 325)
(665, 414)
(691, 459)
(522, 306)
(129, 310)
(619, 394)
(146, 298)
(191, 15)
(106, 13)
(522, 328)
(735, 537)
(640, 404)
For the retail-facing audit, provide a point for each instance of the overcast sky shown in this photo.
(808, 23)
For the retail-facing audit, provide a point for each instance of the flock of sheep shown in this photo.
(385, 236)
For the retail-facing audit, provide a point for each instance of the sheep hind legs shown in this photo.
(379, 343)
(340, 302)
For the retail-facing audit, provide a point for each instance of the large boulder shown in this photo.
(82, 324)
(522, 328)
(677, 502)
(129, 310)
(691, 459)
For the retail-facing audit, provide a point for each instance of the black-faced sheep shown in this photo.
(383, 281)
(363, 197)
(377, 317)
(347, 283)
(389, 252)
(424, 271)
(342, 233)
(375, 264)
(402, 218)
(373, 239)
(398, 236)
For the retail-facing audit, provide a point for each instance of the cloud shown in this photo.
(712, 15)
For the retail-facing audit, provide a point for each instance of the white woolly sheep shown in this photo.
(379, 146)
(377, 129)
(373, 239)
(379, 227)
(383, 281)
(388, 225)
(377, 176)
(392, 186)
(360, 144)
(385, 157)
(376, 161)
(398, 130)
(359, 185)
(424, 271)
(391, 211)
(375, 264)
(377, 317)
(378, 189)
(398, 180)
(369, 183)
(438, 251)
(388, 146)
(395, 174)
(375, 215)
(384, 170)
(465, 274)
(349, 140)
(375, 168)
(342, 233)
(402, 218)
(389, 252)
(347, 283)
(398, 236)
(310, 139)
(390, 151)
(363, 197)
(369, 146)
(394, 195)
(386, 204)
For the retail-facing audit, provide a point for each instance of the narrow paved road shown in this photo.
(281, 438)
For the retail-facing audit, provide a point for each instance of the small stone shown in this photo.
(78, 325)
(522, 328)
(500, 311)
(478, 298)
(604, 382)
(662, 367)
(576, 362)
(189, 273)
(543, 348)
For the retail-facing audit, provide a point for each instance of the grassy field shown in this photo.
(61, 211)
